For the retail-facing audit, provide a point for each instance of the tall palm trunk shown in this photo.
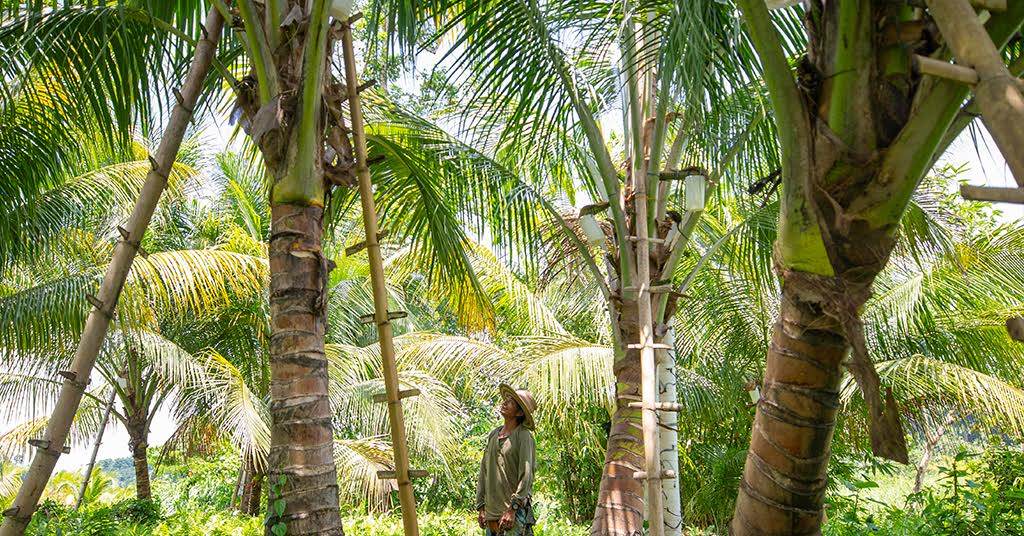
(290, 93)
(784, 479)
(853, 151)
(138, 442)
(59, 426)
(620, 500)
(621, 497)
(302, 438)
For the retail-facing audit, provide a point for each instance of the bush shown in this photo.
(447, 524)
(144, 512)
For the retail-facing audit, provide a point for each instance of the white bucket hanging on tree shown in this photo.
(341, 9)
(694, 192)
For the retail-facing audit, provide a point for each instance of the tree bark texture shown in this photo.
(302, 439)
(94, 333)
(784, 480)
(620, 501)
(138, 442)
(252, 486)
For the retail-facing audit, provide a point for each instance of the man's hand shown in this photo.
(480, 519)
(507, 519)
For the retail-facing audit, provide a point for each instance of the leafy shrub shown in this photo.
(447, 524)
(137, 512)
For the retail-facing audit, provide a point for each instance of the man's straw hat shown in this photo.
(525, 400)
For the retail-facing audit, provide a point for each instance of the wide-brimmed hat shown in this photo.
(525, 400)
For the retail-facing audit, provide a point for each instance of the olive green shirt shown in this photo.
(506, 473)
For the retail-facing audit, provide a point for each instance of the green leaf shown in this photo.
(279, 529)
(279, 506)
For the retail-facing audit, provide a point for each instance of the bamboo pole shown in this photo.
(668, 394)
(942, 69)
(997, 92)
(992, 194)
(380, 295)
(648, 364)
(76, 379)
(95, 449)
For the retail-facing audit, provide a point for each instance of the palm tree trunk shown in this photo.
(252, 485)
(784, 480)
(302, 439)
(95, 449)
(139, 444)
(931, 441)
(620, 499)
(669, 421)
(20, 513)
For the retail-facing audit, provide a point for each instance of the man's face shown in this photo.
(509, 408)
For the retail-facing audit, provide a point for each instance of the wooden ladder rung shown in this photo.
(656, 346)
(650, 240)
(642, 475)
(943, 69)
(659, 406)
(393, 475)
(402, 395)
(392, 315)
(656, 289)
(992, 194)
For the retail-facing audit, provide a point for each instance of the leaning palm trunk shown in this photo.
(59, 426)
(854, 149)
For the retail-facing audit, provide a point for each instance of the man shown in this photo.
(505, 484)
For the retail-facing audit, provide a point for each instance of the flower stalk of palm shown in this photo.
(855, 146)
(91, 340)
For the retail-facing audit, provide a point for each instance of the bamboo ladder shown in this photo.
(651, 353)
(392, 395)
(999, 95)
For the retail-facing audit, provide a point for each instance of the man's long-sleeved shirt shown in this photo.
(506, 472)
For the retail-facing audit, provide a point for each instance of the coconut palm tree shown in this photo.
(853, 151)
(121, 55)
(546, 82)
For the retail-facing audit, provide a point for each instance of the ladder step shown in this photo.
(356, 248)
(99, 306)
(657, 289)
(133, 243)
(181, 101)
(366, 85)
(393, 475)
(991, 5)
(942, 69)
(44, 444)
(656, 346)
(12, 511)
(407, 393)
(642, 475)
(659, 406)
(992, 194)
(392, 315)
(651, 240)
(72, 378)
